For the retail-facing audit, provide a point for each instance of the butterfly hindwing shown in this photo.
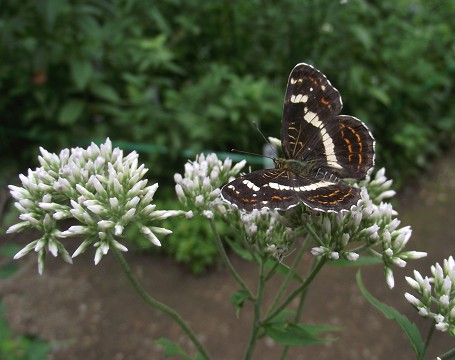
(253, 190)
(353, 148)
(281, 190)
(328, 195)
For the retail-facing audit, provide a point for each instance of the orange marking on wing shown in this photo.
(326, 102)
(249, 200)
(359, 142)
(316, 198)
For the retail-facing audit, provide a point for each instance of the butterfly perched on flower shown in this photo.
(320, 148)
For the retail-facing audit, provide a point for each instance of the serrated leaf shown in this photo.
(81, 71)
(105, 92)
(409, 328)
(70, 111)
(291, 334)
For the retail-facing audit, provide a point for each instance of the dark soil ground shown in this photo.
(89, 312)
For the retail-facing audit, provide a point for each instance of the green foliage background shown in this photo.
(171, 78)
(192, 75)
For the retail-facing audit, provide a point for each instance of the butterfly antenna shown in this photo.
(250, 153)
(255, 125)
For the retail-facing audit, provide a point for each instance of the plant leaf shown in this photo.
(361, 261)
(70, 111)
(291, 334)
(81, 71)
(245, 254)
(238, 299)
(409, 328)
(105, 92)
(171, 349)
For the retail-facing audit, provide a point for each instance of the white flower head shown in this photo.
(99, 187)
(436, 295)
(199, 187)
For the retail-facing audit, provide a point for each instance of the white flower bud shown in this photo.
(351, 256)
(317, 251)
(18, 227)
(413, 300)
(208, 214)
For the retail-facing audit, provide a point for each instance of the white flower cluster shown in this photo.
(199, 187)
(98, 186)
(264, 231)
(371, 224)
(437, 292)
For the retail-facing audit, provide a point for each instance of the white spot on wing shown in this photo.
(251, 185)
(310, 187)
(300, 98)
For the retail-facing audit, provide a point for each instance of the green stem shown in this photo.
(428, 339)
(156, 304)
(288, 277)
(257, 313)
(448, 355)
(296, 320)
(226, 260)
(297, 291)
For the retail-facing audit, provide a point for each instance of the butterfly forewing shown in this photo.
(313, 131)
(310, 99)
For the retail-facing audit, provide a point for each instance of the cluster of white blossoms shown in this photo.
(370, 225)
(199, 189)
(436, 295)
(98, 186)
(265, 233)
(200, 186)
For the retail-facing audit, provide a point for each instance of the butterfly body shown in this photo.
(320, 148)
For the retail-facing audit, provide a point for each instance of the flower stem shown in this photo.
(448, 355)
(428, 339)
(257, 313)
(156, 304)
(289, 276)
(226, 260)
(314, 271)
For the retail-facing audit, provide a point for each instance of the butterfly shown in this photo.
(320, 147)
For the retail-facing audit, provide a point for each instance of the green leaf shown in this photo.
(81, 71)
(380, 95)
(238, 299)
(409, 328)
(70, 111)
(171, 349)
(282, 269)
(105, 92)
(361, 261)
(245, 254)
(291, 334)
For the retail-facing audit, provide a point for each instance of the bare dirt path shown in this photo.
(89, 312)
